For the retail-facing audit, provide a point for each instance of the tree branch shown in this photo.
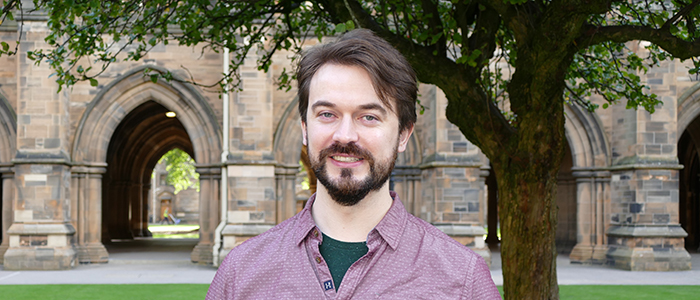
(681, 13)
(434, 22)
(678, 47)
(484, 36)
(489, 129)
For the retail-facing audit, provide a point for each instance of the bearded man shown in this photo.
(354, 239)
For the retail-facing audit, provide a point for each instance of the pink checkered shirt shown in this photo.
(407, 259)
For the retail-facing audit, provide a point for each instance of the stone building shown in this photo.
(76, 164)
(184, 206)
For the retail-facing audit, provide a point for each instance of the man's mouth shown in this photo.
(345, 158)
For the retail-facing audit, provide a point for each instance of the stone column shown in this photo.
(138, 197)
(143, 209)
(453, 183)
(406, 182)
(645, 234)
(8, 189)
(252, 203)
(209, 204)
(116, 211)
(286, 191)
(86, 203)
(41, 235)
(592, 201)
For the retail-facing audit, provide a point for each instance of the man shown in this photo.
(354, 239)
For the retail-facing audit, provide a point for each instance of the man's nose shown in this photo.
(346, 132)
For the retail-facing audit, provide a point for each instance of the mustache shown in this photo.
(349, 148)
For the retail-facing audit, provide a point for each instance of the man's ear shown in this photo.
(404, 136)
(303, 134)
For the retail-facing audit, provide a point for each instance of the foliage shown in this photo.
(507, 68)
(181, 171)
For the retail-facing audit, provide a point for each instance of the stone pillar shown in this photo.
(116, 211)
(645, 234)
(252, 203)
(8, 189)
(41, 235)
(592, 203)
(145, 190)
(453, 183)
(138, 198)
(406, 182)
(86, 204)
(209, 205)
(286, 191)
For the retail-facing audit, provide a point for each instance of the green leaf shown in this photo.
(340, 28)
(350, 25)
(154, 78)
(93, 82)
(5, 46)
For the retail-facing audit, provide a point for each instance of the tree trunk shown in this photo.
(528, 217)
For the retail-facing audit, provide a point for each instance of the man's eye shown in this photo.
(326, 115)
(369, 118)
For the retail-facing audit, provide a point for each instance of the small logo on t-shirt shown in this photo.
(328, 285)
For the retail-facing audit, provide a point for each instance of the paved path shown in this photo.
(168, 261)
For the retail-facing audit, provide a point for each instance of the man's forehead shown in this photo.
(333, 82)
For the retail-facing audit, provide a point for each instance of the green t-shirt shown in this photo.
(340, 256)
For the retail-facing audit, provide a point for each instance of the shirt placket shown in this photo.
(358, 270)
(323, 273)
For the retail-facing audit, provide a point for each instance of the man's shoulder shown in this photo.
(418, 228)
(269, 242)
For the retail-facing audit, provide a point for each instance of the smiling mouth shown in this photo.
(345, 158)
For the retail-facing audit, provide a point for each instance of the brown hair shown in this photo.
(392, 76)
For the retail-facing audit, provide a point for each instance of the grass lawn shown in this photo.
(104, 291)
(184, 231)
(636, 292)
(198, 291)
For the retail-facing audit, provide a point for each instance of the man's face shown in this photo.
(352, 137)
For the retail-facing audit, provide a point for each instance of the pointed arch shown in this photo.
(8, 131)
(590, 181)
(688, 108)
(96, 130)
(117, 99)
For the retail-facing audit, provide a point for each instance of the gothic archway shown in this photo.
(590, 157)
(8, 132)
(108, 125)
(689, 157)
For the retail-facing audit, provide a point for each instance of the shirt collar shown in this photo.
(390, 228)
(306, 221)
(392, 225)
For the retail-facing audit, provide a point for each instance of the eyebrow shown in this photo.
(322, 103)
(374, 106)
(371, 106)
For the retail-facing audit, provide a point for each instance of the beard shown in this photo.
(348, 190)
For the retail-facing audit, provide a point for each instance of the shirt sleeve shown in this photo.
(480, 285)
(221, 287)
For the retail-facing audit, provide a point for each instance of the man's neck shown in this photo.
(350, 223)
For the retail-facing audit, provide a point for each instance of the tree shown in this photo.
(181, 171)
(559, 51)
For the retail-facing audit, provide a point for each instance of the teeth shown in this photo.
(346, 158)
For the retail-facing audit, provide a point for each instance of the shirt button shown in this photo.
(315, 233)
(318, 259)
